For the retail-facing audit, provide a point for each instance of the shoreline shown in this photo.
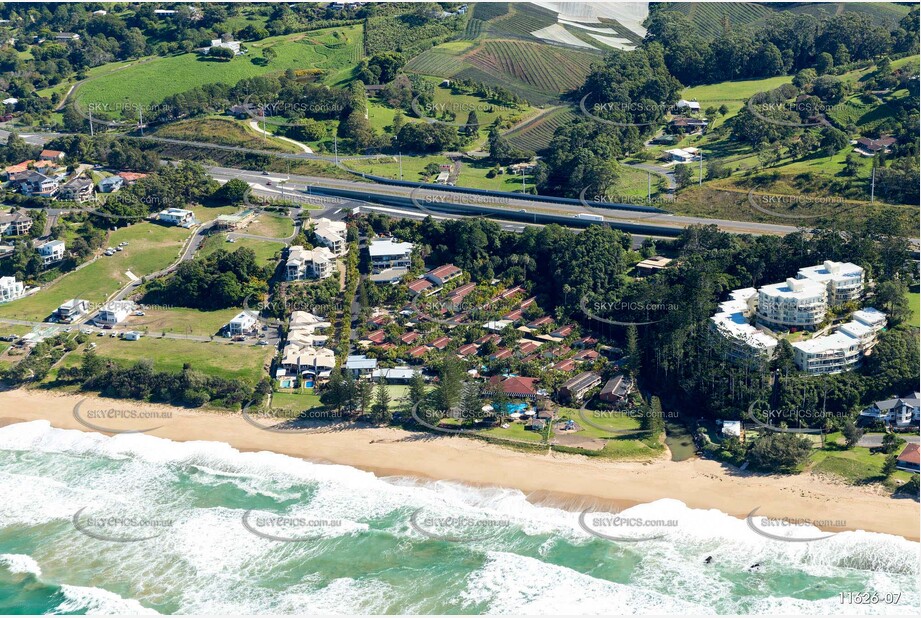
(571, 482)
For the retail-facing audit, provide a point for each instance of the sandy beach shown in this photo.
(570, 481)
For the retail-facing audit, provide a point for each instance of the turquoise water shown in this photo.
(211, 519)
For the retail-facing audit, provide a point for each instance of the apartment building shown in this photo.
(332, 234)
(317, 263)
(843, 280)
(389, 253)
(795, 303)
(842, 350)
(732, 323)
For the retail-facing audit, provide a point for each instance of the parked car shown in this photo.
(139, 313)
(263, 342)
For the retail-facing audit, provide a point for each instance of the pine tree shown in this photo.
(381, 408)
(471, 406)
(364, 395)
(416, 388)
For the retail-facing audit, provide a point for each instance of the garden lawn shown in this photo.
(182, 320)
(266, 251)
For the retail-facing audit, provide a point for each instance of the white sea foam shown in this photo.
(98, 601)
(21, 563)
(208, 562)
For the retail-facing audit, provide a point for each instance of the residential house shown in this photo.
(131, 177)
(15, 223)
(332, 234)
(132, 335)
(683, 155)
(111, 184)
(51, 155)
(389, 257)
(360, 365)
(113, 312)
(51, 251)
(234, 221)
(376, 337)
(467, 350)
(243, 323)
(419, 351)
(539, 322)
(10, 289)
(441, 343)
(72, 310)
(576, 387)
(38, 185)
(78, 190)
(869, 147)
(565, 365)
(316, 263)
(616, 389)
(177, 216)
(233, 46)
(500, 355)
(63, 37)
(304, 354)
(651, 266)
(897, 412)
(909, 459)
(690, 106)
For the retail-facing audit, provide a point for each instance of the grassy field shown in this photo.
(151, 247)
(473, 171)
(914, 301)
(218, 130)
(335, 50)
(267, 252)
(226, 360)
(731, 94)
(268, 225)
(856, 465)
(181, 320)
(296, 401)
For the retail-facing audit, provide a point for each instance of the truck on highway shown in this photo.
(589, 217)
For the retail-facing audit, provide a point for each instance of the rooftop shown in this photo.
(382, 247)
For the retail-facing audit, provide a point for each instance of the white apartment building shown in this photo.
(387, 253)
(10, 289)
(317, 263)
(331, 234)
(842, 350)
(795, 303)
(731, 322)
(51, 251)
(844, 280)
(243, 323)
(113, 313)
(303, 353)
(72, 309)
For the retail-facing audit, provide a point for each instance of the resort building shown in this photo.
(317, 263)
(795, 303)
(844, 349)
(177, 216)
(303, 354)
(332, 234)
(898, 411)
(441, 275)
(575, 388)
(72, 310)
(15, 223)
(113, 313)
(843, 280)
(10, 289)
(51, 251)
(242, 324)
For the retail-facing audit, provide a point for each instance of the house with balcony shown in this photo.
(10, 289)
(390, 259)
(177, 216)
(331, 234)
(897, 412)
(15, 223)
(242, 324)
(51, 251)
(72, 310)
(111, 184)
(37, 184)
(78, 190)
(316, 263)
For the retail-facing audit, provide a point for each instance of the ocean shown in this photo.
(139, 524)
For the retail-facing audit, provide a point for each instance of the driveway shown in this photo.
(871, 440)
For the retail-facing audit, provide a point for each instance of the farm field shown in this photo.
(225, 360)
(536, 133)
(473, 172)
(333, 49)
(151, 247)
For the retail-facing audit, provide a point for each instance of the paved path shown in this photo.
(871, 440)
(668, 174)
(255, 125)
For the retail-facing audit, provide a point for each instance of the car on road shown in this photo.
(139, 313)
(263, 342)
(268, 183)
